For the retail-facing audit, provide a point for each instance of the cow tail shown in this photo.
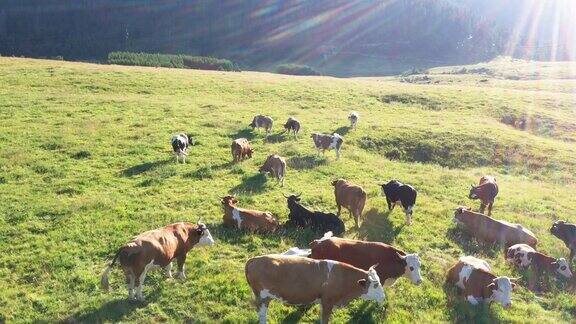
(104, 283)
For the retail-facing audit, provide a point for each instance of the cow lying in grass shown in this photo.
(302, 217)
(247, 219)
(475, 278)
(157, 248)
(299, 280)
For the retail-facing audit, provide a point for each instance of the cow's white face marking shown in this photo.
(236, 216)
(463, 276)
(412, 270)
(298, 251)
(472, 300)
(375, 290)
(563, 268)
(503, 294)
(206, 238)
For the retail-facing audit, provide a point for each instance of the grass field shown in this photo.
(86, 164)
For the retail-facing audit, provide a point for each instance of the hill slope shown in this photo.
(85, 165)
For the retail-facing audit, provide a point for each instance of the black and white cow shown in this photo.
(302, 217)
(399, 193)
(180, 145)
(353, 118)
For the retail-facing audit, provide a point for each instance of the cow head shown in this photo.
(314, 137)
(253, 123)
(229, 200)
(337, 182)
(412, 268)
(500, 291)
(372, 287)
(562, 268)
(292, 198)
(190, 139)
(204, 234)
(459, 215)
(556, 228)
(473, 194)
(249, 152)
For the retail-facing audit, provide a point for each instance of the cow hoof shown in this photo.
(181, 275)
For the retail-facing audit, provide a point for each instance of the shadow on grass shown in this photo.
(246, 133)
(470, 245)
(306, 162)
(376, 226)
(343, 130)
(461, 311)
(144, 167)
(365, 313)
(114, 310)
(276, 138)
(296, 315)
(250, 184)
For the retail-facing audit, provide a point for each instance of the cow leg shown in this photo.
(181, 260)
(472, 300)
(168, 270)
(389, 204)
(326, 312)
(339, 210)
(572, 254)
(482, 207)
(262, 307)
(408, 218)
(129, 282)
(337, 154)
(140, 277)
(490, 209)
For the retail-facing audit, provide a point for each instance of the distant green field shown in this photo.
(86, 164)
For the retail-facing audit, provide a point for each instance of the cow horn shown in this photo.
(514, 279)
(374, 266)
(298, 195)
(285, 195)
(400, 255)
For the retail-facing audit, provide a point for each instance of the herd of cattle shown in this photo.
(334, 270)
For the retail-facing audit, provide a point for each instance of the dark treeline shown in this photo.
(325, 34)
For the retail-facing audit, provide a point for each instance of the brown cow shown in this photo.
(324, 142)
(157, 248)
(276, 165)
(479, 284)
(349, 196)
(302, 281)
(393, 263)
(292, 125)
(486, 191)
(240, 149)
(492, 230)
(261, 121)
(246, 219)
(540, 263)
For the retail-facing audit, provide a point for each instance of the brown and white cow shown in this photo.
(276, 166)
(324, 142)
(479, 284)
(240, 149)
(247, 219)
(486, 191)
(302, 281)
(157, 248)
(353, 119)
(524, 256)
(261, 121)
(292, 125)
(493, 230)
(349, 196)
(392, 263)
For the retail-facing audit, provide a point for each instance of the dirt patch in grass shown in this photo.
(412, 100)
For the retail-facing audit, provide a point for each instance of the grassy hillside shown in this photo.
(85, 164)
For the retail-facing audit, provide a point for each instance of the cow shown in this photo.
(240, 149)
(299, 280)
(276, 166)
(493, 230)
(349, 196)
(180, 144)
(475, 278)
(157, 248)
(246, 219)
(540, 263)
(393, 262)
(399, 193)
(261, 121)
(517, 254)
(324, 142)
(302, 217)
(353, 119)
(486, 191)
(292, 125)
(567, 233)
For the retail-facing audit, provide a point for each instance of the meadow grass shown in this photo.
(86, 164)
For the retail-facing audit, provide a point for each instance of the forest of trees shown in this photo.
(325, 34)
